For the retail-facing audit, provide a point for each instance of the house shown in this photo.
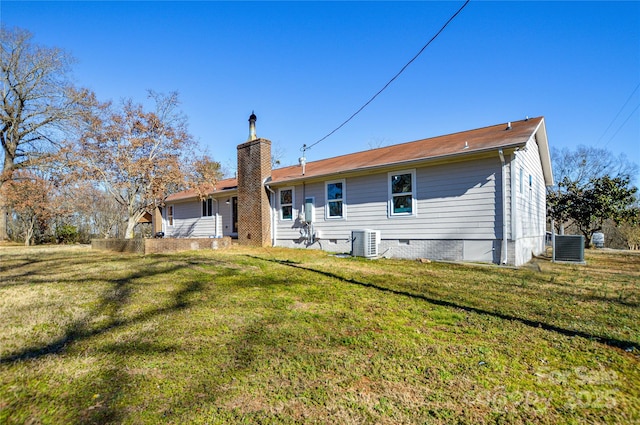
(477, 195)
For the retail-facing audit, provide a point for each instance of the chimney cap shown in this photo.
(252, 127)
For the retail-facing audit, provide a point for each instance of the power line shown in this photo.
(616, 117)
(305, 147)
(622, 125)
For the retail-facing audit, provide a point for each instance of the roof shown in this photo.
(469, 142)
(220, 187)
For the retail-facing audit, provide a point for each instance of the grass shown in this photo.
(292, 336)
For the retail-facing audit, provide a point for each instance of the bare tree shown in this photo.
(593, 186)
(277, 155)
(38, 103)
(106, 214)
(585, 163)
(203, 174)
(136, 156)
(34, 202)
(377, 142)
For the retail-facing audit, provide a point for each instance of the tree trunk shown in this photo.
(131, 224)
(28, 234)
(4, 212)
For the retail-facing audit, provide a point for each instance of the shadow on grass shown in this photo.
(113, 300)
(36, 269)
(612, 342)
(101, 395)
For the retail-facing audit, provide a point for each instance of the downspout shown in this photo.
(503, 251)
(216, 234)
(515, 232)
(273, 216)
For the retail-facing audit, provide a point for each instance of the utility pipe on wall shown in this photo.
(272, 214)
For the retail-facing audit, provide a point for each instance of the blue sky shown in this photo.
(305, 67)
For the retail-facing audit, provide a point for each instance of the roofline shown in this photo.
(545, 156)
(538, 134)
(195, 196)
(413, 162)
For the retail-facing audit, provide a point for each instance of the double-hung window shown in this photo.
(207, 207)
(170, 215)
(286, 203)
(402, 190)
(335, 205)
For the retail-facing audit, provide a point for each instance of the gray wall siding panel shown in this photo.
(188, 221)
(454, 201)
(530, 203)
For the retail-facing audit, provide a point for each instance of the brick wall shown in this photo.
(254, 167)
(158, 246)
(119, 245)
(417, 248)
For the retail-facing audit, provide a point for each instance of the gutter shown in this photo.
(222, 192)
(392, 165)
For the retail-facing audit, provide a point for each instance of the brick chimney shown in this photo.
(254, 211)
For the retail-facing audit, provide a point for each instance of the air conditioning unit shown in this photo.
(364, 243)
(569, 248)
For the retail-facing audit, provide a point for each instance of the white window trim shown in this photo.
(414, 204)
(293, 203)
(343, 199)
(208, 201)
(171, 221)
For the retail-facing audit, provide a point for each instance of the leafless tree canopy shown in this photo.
(38, 104)
(588, 162)
(135, 155)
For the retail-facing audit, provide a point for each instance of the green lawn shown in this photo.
(291, 336)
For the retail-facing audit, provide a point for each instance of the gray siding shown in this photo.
(530, 203)
(458, 212)
(454, 202)
(224, 215)
(188, 221)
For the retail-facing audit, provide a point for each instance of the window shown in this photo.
(530, 187)
(335, 199)
(521, 180)
(207, 207)
(170, 215)
(402, 193)
(286, 204)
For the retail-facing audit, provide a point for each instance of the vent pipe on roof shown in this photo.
(252, 127)
(302, 160)
(508, 126)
